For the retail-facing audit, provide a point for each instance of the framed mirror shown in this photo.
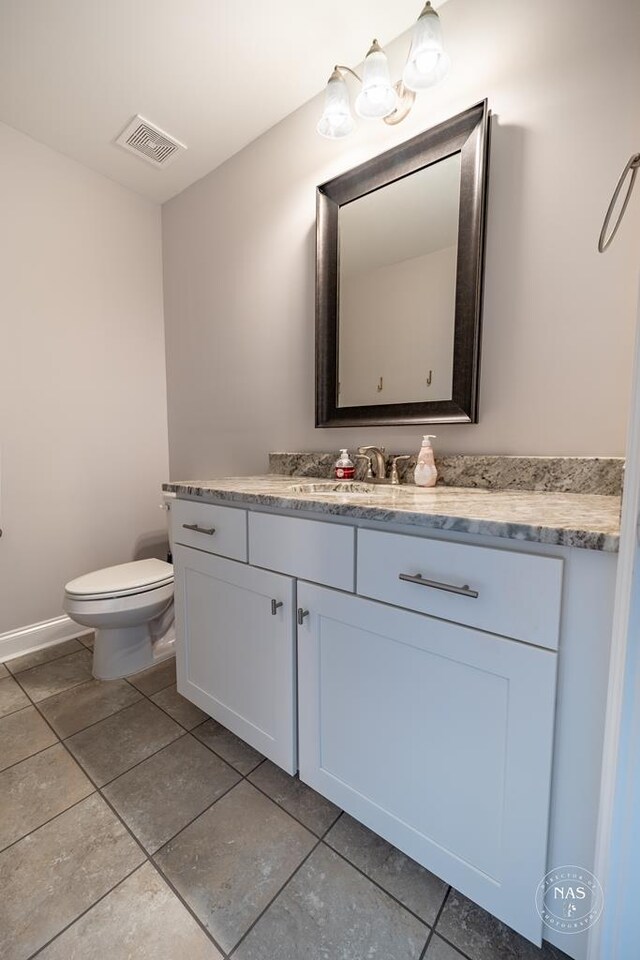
(400, 245)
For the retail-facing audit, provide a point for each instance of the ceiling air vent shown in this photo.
(151, 143)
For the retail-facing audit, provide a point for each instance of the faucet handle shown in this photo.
(365, 456)
(395, 479)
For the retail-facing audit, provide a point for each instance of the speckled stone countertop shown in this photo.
(589, 521)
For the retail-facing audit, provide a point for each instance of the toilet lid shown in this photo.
(122, 580)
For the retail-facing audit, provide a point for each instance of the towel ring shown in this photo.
(632, 166)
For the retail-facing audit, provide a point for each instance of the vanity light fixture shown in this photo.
(379, 98)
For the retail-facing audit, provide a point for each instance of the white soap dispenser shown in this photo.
(426, 473)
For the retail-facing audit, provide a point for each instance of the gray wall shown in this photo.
(562, 80)
(82, 377)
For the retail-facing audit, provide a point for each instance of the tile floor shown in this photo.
(133, 826)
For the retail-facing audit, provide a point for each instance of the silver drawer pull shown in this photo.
(464, 591)
(301, 615)
(194, 526)
(275, 604)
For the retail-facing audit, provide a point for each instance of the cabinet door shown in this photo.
(235, 657)
(436, 736)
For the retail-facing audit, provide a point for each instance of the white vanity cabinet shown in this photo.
(235, 652)
(410, 676)
(438, 737)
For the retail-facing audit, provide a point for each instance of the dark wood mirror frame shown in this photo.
(467, 134)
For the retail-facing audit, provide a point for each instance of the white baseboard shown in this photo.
(37, 635)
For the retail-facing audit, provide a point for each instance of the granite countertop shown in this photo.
(589, 521)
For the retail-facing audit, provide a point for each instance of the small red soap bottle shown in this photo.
(344, 469)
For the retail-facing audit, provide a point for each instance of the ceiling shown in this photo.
(215, 74)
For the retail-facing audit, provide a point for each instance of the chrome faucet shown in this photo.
(377, 454)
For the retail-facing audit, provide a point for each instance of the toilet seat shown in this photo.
(123, 580)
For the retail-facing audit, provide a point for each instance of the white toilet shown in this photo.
(130, 607)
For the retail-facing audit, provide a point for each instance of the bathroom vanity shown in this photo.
(432, 661)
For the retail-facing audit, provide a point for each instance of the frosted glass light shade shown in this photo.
(428, 62)
(337, 119)
(377, 98)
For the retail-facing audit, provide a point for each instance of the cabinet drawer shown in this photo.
(518, 595)
(220, 530)
(307, 549)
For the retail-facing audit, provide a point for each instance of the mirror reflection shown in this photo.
(397, 289)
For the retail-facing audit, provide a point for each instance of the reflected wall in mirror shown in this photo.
(399, 281)
(398, 249)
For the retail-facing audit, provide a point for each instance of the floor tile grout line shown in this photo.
(162, 689)
(292, 815)
(450, 943)
(459, 950)
(84, 912)
(277, 894)
(221, 757)
(432, 930)
(319, 840)
(148, 695)
(392, 896)
(18, 709)
(142, 696)
(149, 859)
(49, 820)
(108, 783)
(243, 777)
(192, 729)
(193, 819)
(94, 722)
(44, 662)
(47, 663)
(44, 699)
(34, 754)
(176, 893)
(285, 884)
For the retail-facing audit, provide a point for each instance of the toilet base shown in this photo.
(121, 652)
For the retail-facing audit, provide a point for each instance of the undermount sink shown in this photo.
(333, 486)
(350, 487)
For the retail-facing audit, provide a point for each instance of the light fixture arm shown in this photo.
(340, 68)
(406, 99)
